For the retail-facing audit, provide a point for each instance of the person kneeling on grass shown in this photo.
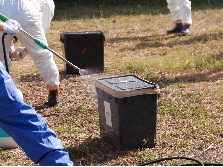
(20, 120)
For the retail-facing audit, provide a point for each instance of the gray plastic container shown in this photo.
(127, 107)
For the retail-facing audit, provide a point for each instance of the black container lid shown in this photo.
(125, 86)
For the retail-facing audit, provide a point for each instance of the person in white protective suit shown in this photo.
(181, 15)
(28, 14)
(19, 120)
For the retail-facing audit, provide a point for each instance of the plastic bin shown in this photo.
(83, 49)
(127, 107)
(6, 141)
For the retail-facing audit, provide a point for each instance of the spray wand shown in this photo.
(45, 46)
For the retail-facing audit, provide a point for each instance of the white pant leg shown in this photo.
(47, 14)
(180, 10)
(185, 9)
(46, 8)
(173, 6)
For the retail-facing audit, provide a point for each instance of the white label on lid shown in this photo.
(108, 113)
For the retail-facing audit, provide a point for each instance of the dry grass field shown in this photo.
(188, 70)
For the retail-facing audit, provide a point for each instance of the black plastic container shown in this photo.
(83, 49)
(127, 107)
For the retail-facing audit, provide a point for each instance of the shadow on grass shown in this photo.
(156, 40)
(37, 77)
(94, 152)
(207, 76)
(31, 78)
(210, 76)
(64, 75)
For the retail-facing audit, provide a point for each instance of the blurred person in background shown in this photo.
(181, 15)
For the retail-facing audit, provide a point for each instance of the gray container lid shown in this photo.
(126, 86)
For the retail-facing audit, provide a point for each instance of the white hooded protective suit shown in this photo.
(180, 10)
(27, 128)
(29, 17)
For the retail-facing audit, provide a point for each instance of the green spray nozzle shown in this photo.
(41, 44)
(3, 17)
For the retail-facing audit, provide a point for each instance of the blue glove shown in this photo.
(12, 27)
